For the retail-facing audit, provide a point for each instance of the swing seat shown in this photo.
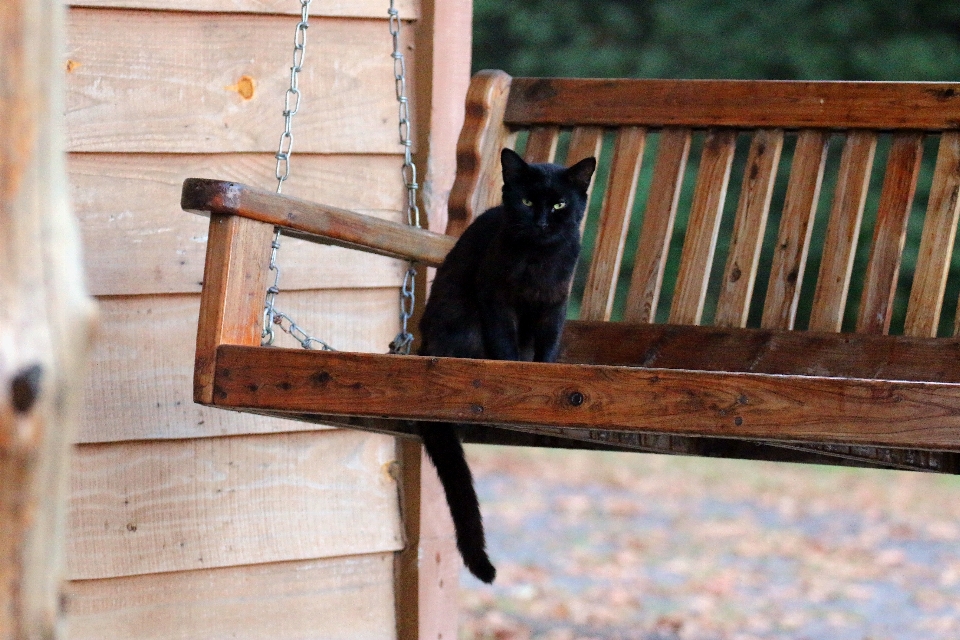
(862, 396)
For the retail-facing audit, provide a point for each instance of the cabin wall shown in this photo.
(190, 522)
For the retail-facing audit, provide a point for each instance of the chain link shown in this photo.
(291, 99)
(409, 170)
(402, 343)
(291, 105)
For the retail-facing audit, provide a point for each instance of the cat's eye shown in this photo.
(526, 202)
(559, 205)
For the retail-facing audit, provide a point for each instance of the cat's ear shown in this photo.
(513, 165)
(580, 173)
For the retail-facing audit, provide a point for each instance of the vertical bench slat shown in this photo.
(614, 220)
(889, 233)
(749, 225)
(658, 218)
(796, 226)
(584, 143)
(846, 214)
(936, 244)
(700, 239)
(541, 144)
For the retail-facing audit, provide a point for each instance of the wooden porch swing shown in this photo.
(866, 398)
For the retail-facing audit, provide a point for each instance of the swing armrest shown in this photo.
(315, 222)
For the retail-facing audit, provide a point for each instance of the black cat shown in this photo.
(501, 294)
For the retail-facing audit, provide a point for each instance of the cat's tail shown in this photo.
(445, 451)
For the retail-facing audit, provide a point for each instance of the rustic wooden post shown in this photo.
(45, 320)
(427, 570)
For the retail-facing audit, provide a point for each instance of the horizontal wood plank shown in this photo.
(213, 83)
(733, 103)
(409, 9)
(137, 240)
(778, 352)
(151, 507)
(338, 598)
(741, 405)
(142, 388)
(317, 222)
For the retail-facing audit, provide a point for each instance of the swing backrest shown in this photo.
(804, 142)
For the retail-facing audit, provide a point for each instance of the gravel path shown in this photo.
(592, 545)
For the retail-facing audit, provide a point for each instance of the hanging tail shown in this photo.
(445, 451)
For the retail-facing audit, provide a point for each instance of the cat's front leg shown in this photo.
(501, 336)
(546, 336)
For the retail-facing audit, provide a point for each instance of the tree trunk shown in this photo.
(45, 319)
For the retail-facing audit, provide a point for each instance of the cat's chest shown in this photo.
(538, 278)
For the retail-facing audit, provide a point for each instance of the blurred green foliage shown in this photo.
(790, 39)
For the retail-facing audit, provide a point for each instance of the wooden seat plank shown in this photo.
(740, 273)
(936, 243)
(703, 225)
(843, 228)
(615, 213)
(882, 413)
(658, 219)
(889, 233)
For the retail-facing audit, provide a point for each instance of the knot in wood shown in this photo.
(25, 388)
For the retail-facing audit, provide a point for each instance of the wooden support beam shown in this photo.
(46, 319)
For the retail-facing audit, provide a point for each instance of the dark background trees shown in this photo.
(787, 39)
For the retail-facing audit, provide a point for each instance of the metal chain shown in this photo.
(291, 99)
(401, 344)
(291, 105)
(271, 315)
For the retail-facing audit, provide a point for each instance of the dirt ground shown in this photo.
(611, 545)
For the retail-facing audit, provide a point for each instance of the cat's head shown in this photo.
(544, 202)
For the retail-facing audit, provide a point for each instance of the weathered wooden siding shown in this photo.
(187, 522)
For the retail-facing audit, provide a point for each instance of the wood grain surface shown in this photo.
(137, 240)
(796, 227)
(338, 598)
(761, 406)
(843, 229)
(745, 104)
(601, 285)
(142, 389)
(315, 221)
(740, 273)
(214, 83)
(409, 9)
(177, 505)
(703, 225)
